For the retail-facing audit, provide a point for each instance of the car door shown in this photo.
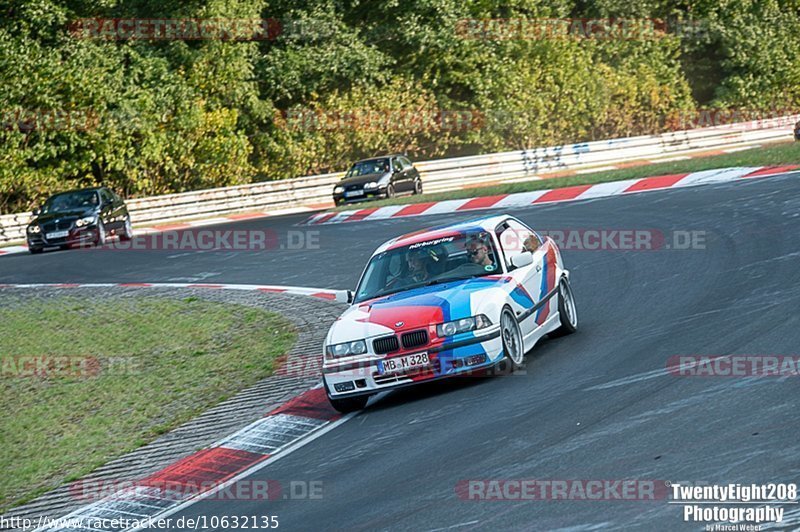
(400, 175)
(120, 210)
(411, 173)
(397, 175)
(515, 239)
(108, 210)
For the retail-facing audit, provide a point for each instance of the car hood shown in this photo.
(73, 213)
(417, 308)
(361, 179)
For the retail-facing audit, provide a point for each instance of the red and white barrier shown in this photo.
(536, 197)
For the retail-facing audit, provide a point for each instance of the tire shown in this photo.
(35, 251)
(417, 187)
(390, 193)
(101, 235)
(347, 404)
(127, 230)
(513, 345)
(567, 311)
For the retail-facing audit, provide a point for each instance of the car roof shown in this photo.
(388, 156)
(94, 189)
(485, 223)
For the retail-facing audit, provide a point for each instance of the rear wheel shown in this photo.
(567, 312)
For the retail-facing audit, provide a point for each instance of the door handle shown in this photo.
(538, 267)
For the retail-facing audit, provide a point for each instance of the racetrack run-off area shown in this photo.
(597, 405)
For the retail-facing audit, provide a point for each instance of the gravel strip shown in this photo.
(311, 316)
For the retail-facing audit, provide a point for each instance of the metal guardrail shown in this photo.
(439, 175)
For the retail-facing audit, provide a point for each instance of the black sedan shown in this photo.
(379, 177)
(79, 217)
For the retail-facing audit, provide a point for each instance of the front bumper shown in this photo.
(83, 235)
(366, 195)
(362, 377)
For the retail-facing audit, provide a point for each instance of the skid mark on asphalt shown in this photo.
(451, 527)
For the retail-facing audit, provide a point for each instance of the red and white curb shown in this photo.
(525, 199)
(322, 293)
(13, 249)
(213, 469)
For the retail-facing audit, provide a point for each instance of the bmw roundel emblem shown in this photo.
(399, 324)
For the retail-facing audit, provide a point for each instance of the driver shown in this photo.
(417, 263)
(478, 250)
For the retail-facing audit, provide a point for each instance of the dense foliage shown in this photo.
(333, 80)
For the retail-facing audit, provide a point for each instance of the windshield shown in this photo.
(69, 201)
(374, 166)
(451, 258)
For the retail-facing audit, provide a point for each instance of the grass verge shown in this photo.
(118, 373)
(776, 154)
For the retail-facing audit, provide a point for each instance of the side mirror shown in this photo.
(344, 296)
(522, 259)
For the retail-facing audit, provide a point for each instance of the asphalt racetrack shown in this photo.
(599, 404)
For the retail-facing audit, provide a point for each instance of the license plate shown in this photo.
(353, 193)
(401, 364)
(57, 234)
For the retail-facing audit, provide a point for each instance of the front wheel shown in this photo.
(346, 405)
(417, 187)
(513, 347)
(100, 240)
(349, 404)
(127, 231)
(390, 193)
(567, 312)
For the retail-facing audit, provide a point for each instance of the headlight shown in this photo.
(371, 184)
(463, 325)
(338, 190)
(34, 229)
(359, 347)
(85, 221)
